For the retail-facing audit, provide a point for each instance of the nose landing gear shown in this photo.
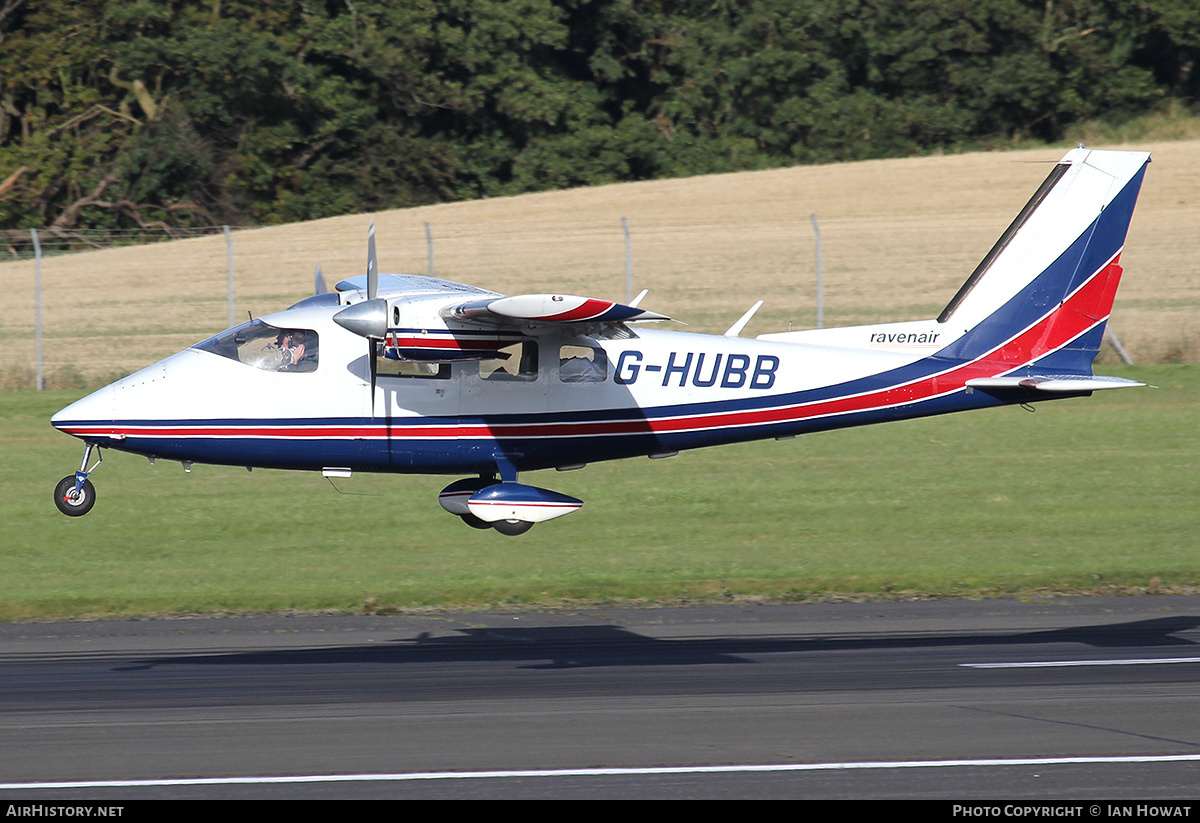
(75, 495)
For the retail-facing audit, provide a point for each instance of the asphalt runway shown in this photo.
(1067, 699)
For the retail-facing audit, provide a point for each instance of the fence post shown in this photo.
(820, 284)
(1116, 344)
(429, 247)
(229, 255)
(628, 261)
(37, 299)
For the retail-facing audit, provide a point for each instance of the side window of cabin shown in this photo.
(386, 367)
(582, 364)
(516, 362)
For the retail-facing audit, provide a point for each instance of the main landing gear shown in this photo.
(75, 495)
(512, 528)
(508, 527)
(509, 507)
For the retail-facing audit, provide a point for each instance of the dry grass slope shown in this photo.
(899, 236)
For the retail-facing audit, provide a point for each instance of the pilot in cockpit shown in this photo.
(299, 353)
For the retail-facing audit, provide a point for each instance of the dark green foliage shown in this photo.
(120, 113)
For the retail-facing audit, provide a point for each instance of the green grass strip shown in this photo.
(1099, 494)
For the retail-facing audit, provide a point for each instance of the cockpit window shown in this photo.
(266, 347)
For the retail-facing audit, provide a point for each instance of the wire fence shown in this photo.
(128, 305)
(100, 304)
(19, 244)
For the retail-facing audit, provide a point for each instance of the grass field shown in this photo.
(1094, 494)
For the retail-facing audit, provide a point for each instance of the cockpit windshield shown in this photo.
(266, 347)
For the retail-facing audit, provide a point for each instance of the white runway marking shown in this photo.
(493, 775)
(1143, 661)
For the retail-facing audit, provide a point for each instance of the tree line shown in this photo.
(176, 113)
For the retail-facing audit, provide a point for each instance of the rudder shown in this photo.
(1045, 290)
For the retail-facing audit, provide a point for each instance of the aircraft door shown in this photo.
(412, 396)
(509, 388)
(416, 400)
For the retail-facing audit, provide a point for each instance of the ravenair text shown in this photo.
(700, 369)
(895, 338)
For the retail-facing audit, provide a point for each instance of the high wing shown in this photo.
(547, 308)
(430, 319)
(495, 308)
(404, 285)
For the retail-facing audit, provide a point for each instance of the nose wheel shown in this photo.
(75, 495)
(73, 501)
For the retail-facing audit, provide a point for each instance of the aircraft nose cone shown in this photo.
(366, 319)
(96, 416)
(86, 415)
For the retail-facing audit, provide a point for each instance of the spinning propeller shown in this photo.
(368, 318)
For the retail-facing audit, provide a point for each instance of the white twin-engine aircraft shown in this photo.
(411, 374)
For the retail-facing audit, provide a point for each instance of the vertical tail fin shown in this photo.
(1042, 295)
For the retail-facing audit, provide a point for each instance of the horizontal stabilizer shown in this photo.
(1053, 383)
(548, 308)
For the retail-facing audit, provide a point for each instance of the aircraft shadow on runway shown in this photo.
(556, 647)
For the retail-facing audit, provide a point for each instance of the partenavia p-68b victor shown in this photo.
(413, 374)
